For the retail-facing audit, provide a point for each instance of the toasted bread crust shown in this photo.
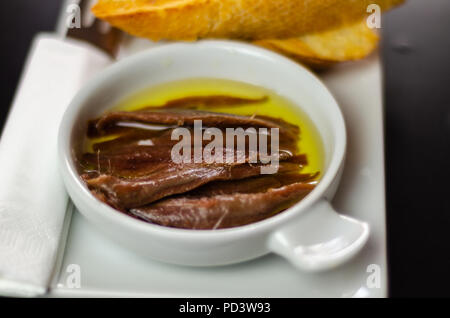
(323, 49)
(237, 19)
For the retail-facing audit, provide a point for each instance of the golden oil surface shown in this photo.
(275, 106)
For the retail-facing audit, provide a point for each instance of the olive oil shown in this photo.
(275, 106)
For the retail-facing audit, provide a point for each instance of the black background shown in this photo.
(416, 53)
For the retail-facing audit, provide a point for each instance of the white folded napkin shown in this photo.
(33, 200)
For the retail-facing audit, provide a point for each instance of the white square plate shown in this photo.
(108, 270)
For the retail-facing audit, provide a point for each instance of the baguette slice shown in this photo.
(324, 49)
(235, 19)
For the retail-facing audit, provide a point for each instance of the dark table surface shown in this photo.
(416, 53)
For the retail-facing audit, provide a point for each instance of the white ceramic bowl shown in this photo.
(310, 234)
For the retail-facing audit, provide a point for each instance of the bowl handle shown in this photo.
(319, 239)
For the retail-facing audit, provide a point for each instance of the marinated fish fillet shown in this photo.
(194, 102)
(187, 118)
(140, 140)
(140, 161)
(251, 185)
(222, 211)
(167, 179)
(135, 138)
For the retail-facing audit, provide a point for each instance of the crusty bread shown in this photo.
(323, 49)
(237, 19)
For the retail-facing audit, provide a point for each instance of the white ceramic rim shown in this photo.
(69, 171)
